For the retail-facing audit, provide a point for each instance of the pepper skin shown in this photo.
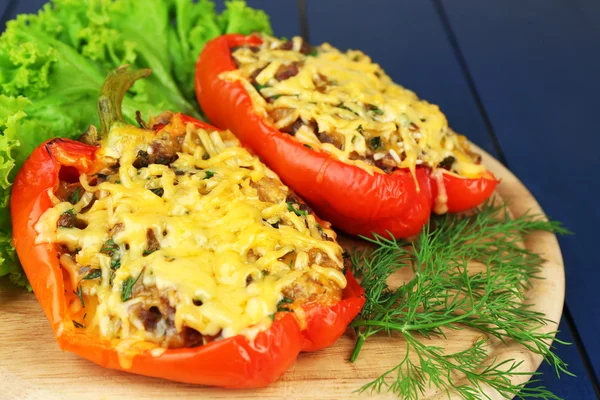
(234, 362)
(349, 197)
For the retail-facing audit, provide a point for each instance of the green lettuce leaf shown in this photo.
(53, 64)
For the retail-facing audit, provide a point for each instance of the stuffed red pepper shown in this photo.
(168, 250)
(364, 152)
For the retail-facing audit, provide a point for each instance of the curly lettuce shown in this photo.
(52, 65)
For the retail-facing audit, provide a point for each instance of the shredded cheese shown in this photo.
(366, 119)
(226, 254)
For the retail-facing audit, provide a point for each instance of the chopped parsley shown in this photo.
(79, 293)
(159, 192)
(375, 143)
(209, 174)
(93, 274)
(259, 87)
(128, 286)
(308, 146)
(115, 264)
(78, 324)
(109, 247)
(75, 196)
(376, 110)
(281, 306)
(360, 129)
(296, 211)
(343, 107)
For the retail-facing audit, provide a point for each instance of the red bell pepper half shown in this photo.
(234, 362)
(346, 195)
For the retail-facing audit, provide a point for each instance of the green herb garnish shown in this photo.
(281, 305)
(308, 146)
(360, 129)
(376, 110)
(375, 142)
(128, 286)
(79, 293)
(78, 324)
(75, 196)
(343, 107)
(115, 264)
(109, 247)
(444, 295)
(298, 212)
(93, 274)
(259, 87)
(159, 192)
(209, 174)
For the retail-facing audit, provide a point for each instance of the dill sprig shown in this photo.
(445, 294)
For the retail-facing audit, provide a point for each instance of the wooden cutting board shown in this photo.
(33, 367)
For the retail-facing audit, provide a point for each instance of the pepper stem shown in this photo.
(117, 83)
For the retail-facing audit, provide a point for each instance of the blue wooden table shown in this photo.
(521, 78)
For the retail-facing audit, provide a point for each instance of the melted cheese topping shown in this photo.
(222, 263)
(367, 119)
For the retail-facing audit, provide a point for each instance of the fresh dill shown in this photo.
(115, 264)
(128, 285)
(93, 274)
(109, 247)
(79, 294)
(78, 324)
(75, 196)
(445, 295)
(282, 305)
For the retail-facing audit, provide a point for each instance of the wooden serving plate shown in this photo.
(33, 367)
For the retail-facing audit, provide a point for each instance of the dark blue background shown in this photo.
(521, 78)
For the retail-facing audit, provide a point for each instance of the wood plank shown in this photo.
(536, 67)
(416, 53)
